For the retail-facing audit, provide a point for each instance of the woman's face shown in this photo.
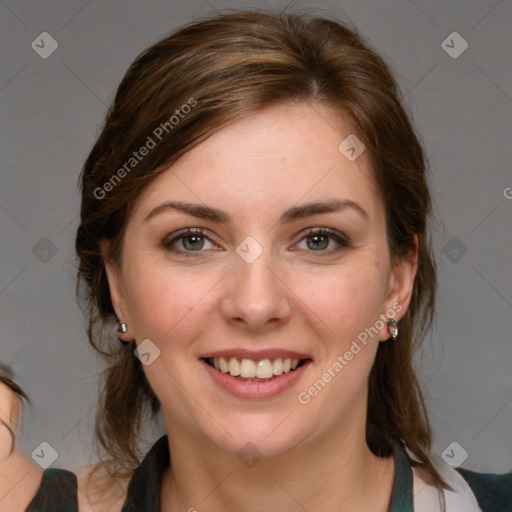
(9, 415)
(257, 288)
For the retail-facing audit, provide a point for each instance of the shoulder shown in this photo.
(99, 491)
(103, 488)
(57, 492)
(492, 491)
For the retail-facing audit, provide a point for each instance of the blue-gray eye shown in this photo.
(318, 240)
(193, 240)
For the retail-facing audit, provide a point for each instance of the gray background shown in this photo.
(52, 109)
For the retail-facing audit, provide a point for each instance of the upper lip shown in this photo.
(256, 355)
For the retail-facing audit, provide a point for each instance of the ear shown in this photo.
(400, 288)
(117, 290)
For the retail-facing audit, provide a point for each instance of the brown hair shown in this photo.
(226, 67)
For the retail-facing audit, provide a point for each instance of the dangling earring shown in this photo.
(122, 329)
(393, 328)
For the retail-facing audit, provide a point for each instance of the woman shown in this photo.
(22, 482)
(255, 218)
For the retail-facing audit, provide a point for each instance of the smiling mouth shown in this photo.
(249, 370)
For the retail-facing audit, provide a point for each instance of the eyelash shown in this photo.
(342, 240)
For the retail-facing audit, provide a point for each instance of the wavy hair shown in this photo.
(232, 65)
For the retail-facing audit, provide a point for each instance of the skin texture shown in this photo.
(19, 476)
(293, 296)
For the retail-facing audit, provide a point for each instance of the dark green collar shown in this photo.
(144, 487)
(401, 495)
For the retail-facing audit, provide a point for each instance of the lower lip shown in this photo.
(264, 389)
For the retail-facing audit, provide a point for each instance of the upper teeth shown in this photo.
(263, 369)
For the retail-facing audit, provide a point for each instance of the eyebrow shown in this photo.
(292, 214)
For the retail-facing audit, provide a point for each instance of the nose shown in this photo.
(256, 296)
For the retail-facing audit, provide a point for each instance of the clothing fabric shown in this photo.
(57, 492)
(472, 492)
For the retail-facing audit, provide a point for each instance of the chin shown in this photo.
(258, 436)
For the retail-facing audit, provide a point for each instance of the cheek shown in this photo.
(348, 304)
(164, 303)
(345, 301)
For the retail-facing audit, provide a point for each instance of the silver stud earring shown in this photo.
(393, 328)
(121, 330)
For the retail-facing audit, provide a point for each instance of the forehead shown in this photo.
(280, 155)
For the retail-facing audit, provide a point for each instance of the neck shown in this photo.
(339, 473)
